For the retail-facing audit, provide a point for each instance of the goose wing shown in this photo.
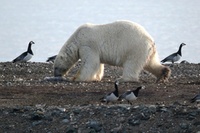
(169, 58)
(20, 58)
(124, 95)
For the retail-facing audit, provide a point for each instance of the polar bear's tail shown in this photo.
(153, 66)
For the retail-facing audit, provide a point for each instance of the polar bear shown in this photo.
(121, 43)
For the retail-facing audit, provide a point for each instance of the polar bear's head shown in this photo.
(60, 66)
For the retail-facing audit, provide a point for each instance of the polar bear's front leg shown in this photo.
(100, 72)
(91, 69)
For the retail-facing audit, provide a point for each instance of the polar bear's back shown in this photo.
(115, 42)
(113, 30)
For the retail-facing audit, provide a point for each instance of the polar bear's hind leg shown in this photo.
(131, 71)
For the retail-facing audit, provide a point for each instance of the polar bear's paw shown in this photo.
(55, 79)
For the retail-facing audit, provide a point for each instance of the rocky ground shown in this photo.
(28, 103)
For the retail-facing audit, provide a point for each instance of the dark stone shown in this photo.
(134, 122)
(37, 117)
(196, 123)
(35, 123)
(70, 130)
(184, 126)
(94, 125)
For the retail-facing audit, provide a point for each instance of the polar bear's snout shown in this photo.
(59, 72)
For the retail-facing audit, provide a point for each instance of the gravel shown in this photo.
(29, 103)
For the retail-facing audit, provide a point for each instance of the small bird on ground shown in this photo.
(26, 56)
(132, 95)
(51, 59)
(113, 96)
(195, 99)
(175, 56)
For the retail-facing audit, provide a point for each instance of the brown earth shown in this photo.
(25, 95)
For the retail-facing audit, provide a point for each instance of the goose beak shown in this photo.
(31, 42)
(183, 44)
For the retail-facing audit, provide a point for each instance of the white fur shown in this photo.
(122, 43)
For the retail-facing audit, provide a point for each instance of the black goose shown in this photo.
(26, 56)
(51, 59)
(175, 56)
(113, 96)
(131, 95)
